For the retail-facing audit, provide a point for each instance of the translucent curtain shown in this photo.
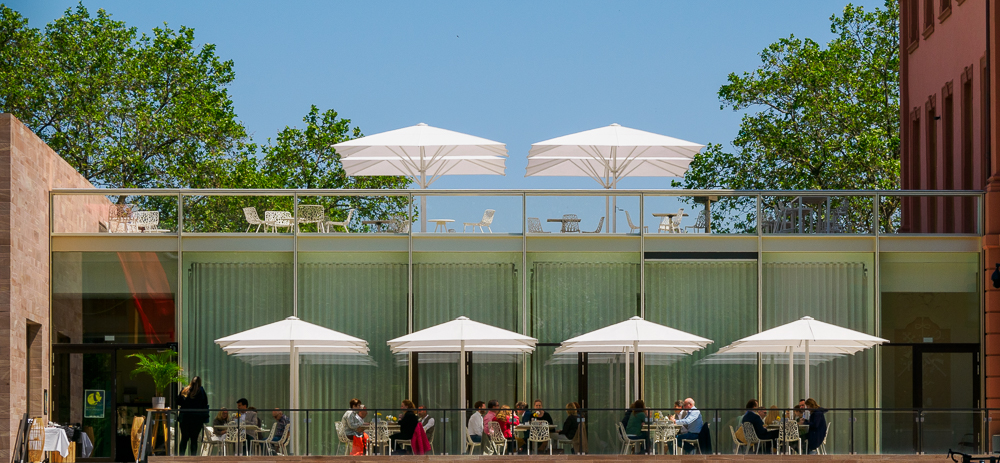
(223, 299)
(569, 299)
(363, 300)
(831, 292)
(714, 300)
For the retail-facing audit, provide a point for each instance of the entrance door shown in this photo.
(946, 376)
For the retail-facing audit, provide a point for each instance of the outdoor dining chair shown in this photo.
(700, 223)
(209, 443)
(628, 444)
(632, 227)
(538, 432)
(487, 220)
(497, 442)
(281, 446)
(535, 225)
(381, 440)
(263, 446)
(737, 444)
(147, 222)
(119, 217)
(822, 447)
(277, 219)
(252, 219)
(342, 436)
(663, 436)
(470, 445)
(345, 224)
(570, 225)
(600, 225)
(789, 434)
(312, 213)
(751, 437)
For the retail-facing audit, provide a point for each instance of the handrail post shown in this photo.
(308, 422)
(852, 432)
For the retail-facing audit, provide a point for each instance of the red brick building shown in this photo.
(949, 134)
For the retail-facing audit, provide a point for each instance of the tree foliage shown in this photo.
(818, 117)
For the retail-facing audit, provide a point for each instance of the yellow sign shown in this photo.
(93, 406)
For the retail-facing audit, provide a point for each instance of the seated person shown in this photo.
(817, 425)
(354, 422)
(280, 423)
(753, 417)
(219, 424)
(635, 422)
(538, 413)
(773, 417)
(407, 424)
(570, 426)
(521, 412)
(691, 420)
(475, 425)
(507, 421)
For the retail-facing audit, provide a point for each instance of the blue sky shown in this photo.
(515, 71)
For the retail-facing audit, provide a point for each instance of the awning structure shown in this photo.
(806, 335)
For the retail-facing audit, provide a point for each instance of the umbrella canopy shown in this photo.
(424, 154)
(292, 336)
(804, 335)
(635, 335)
(463, 335)
(608, 154)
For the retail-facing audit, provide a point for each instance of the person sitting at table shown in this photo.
(679, 414)
(521, 411)
(538, 413)
(773, 417)
(507, 421)
(817, 425)
(426, 421)
(691, 420)
(475, 425)
(280, 423)
(805, 410)
(219, 423)
(635, 421)
(492, 407)
(354, 422)
(752, 416)
(407, 424)
(569, 426)
(797, 416)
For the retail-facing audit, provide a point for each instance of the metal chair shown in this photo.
(675, 223)
(822, 447)
(147, 222)
(470, 445)
(208, 441)
(498, 443)
(696, 442)
(282, 444)
(700, 223)
(664, 434)
(342, 436)
(312, 213)
(751, 437)
(381, 440)
(430, 438)
(570, 227)
(789, 432)
(632, 227)
(487, 220)
(262, 444)
(398, 224)
(600, 225)
(736, 442)
(252, 218)
(277, 219)
(627, 442)
(36, 440)
(120, 217)
(538, 432)
(346, 223)
(535, 225)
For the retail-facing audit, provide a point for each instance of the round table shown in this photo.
(441, 224)
(564, 222)
(669, 216)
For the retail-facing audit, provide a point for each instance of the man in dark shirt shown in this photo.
(753, 417)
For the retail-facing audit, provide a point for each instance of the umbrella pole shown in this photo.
(635, 352)
(627, 391)
(422, 214)
(293, 382)
(461, 393)
(791, 376)
(807, 369)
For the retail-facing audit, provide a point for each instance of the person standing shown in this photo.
(193, 405)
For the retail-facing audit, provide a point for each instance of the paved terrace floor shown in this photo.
(561, 458)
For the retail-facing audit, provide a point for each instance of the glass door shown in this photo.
(946, 382)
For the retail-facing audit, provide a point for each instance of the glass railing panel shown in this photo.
(468, 213)
(898, 431)
(817, 213)
(929, 214)
(717, 214)
(342, 214)
(238, 213)
(97, 213)
(586, 214)
(958, 430)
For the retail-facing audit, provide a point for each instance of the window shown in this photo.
(932, 163)
(913, 22)
(916, 180)
(968, 167)
(984, 123)
(945, 10)
(928, 17)
(948, 155)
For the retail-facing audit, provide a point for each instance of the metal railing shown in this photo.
(857, 430)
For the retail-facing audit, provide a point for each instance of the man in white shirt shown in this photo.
(476, 422)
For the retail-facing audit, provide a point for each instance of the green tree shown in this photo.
(124, 109)
(819, 118)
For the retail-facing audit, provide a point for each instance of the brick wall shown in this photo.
(29, 169)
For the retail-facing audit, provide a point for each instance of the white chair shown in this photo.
(120, 217)
(568, 226)
(789, 434)
(664, 435)
(632, 227)
(700, 223)
(487, 220)
(147, 222)
(497, 444)
(627, 442)
(675, 223)
(470, 445)
(600, 225)
(346, 223)
(751, 437)
(342, 436)
(535, 225)
(234, 436)
(277, 219)
(312, 213)
(381, 440)
(282, 445)
(538, 432)
(822, 447)
(694, 442)
(252, 218)
(263, 446)
(430, 438)
(736, 442)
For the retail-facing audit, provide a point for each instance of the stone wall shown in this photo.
(29, 169)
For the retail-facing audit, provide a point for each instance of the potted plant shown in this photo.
(163, 369)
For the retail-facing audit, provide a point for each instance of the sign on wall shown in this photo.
(93, 403)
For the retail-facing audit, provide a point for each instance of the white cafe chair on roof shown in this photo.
(535, 225)
(487, 220)
(345, 224)
(600, 225)
(633, 227)
(252, 218)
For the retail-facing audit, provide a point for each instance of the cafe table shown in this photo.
(670, 216)
(441, 224)
(564, 221)
(379, 224)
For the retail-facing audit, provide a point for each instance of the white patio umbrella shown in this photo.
(422, 153)
(293, 337)
(806, 335)
(638, 335)
(463, 335)
(608, 154)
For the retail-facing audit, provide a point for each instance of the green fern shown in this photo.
(161, 367)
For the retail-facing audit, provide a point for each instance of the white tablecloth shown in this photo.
(56, 441)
